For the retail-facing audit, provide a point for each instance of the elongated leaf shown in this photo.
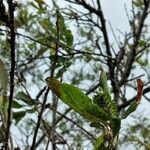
(3, 105)
(99, 144)
(18, 116)
(15, 104)
(3, 77)
(135, 103)
(69, 38)
(103, 98)
(103, 83)
(26, 98)
(2, 133)
(77, 100)
(115, 125)
(131, 109)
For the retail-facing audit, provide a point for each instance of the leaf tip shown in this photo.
(139, 90)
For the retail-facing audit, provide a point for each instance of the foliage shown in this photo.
(139, 133)
(102, 115)
(69, 42)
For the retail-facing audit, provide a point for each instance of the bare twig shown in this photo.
(69, 119)
(133, 53)
(39, 120)
(146, 90)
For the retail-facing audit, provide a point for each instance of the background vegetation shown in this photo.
(71, 41)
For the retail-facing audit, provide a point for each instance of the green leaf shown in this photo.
(15, 104)
(26, 98)
(40, 2)
(103, 83)
(69, 38)
(142, 62)
(62, 25)
(3, 77)
(77, 100)
(48, 26)
(142, 43)
(137, 3)
(65, 33)
(3, 105)
(130, 109)
(18, 116)
(103, 98)
(99, 144)
(2, 133)
(115, 126)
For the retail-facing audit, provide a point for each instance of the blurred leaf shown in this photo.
(69, 38)
(48, 26)
(99, 144)
(24, 18)
(115, 125)
(77, 100)
(2, 134)
(130, 109)
(134, 104)
(142, 62)
(15, 104)
(142, 43)
(138, 3)
(40, 2)
(25, 98)
(3, 106)
(3, 77)
(40, 52)
(62, 25)
(17, 116)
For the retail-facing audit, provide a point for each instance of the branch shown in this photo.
(11, 10)
(69, 119)
(134, 52)
(39, 120)
(132, 99)
(55, 99)
(46, 93)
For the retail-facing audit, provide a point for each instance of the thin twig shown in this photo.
(133, 53)
(39, 120)
(46, 94)
(132, 99)
(55, 99)
(69, 119)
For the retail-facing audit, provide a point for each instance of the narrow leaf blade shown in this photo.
(77, 100)
(3, 77)
(134, 104)
(17, 116)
